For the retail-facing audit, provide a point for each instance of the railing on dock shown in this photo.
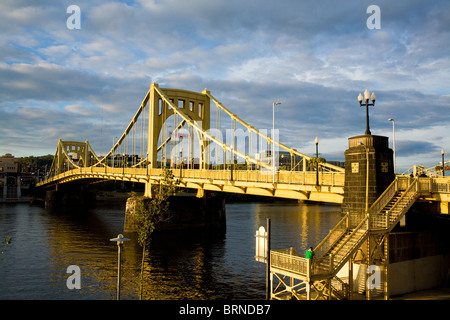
(289, 260)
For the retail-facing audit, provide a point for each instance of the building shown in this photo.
(9, 164)
(9, 177)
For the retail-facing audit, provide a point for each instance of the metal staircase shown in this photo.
(391, 206)
(348, 236)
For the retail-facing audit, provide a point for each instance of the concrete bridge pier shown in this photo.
(69, 196)
(148, 190)
(185, 213)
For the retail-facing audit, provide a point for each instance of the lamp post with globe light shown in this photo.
(317, 160)
(273, 140)
(366, 103)
(119, 240)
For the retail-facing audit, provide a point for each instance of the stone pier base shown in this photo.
(55, 198)
(185, 213)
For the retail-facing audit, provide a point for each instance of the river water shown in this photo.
(181, 265)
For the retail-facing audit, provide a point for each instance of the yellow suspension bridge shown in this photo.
(172, 129)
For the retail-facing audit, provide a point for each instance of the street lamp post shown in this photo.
(273, 140)
(367, 177)
(317, 160)
(232, 163)
(393, 140)
(112, 154)
(119, 240)
(443, 164)
(181, 162)
(366, 103)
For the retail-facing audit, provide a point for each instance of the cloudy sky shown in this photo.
(312, 56)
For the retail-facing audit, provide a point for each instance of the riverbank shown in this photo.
(15, 200)
(431, 294)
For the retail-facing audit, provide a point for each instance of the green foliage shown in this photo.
(150, 212)
(313, 161)
(145, 218)
(37, 162)
(439, 168)
(132, 194)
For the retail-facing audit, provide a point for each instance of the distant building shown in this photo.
(9, 177)
(286, 161)
(9, 164)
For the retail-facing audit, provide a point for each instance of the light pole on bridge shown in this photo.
(317, 160)
(366, 103)
(443, 164)
(273, 140)
(112, 154)
(181, 162)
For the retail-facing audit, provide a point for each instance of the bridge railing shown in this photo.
(281, 177)
(424, 185)
(441, 185)
(433, 185)
(287, 177)
(289, 260)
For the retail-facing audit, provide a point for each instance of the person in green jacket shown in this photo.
(309, 253)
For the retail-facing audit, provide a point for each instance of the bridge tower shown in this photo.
(194, 105)
(369, 170)
(69, 152)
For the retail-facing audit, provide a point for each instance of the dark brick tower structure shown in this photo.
(380, 174)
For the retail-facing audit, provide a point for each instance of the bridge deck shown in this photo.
(299, 185)
(288, 184)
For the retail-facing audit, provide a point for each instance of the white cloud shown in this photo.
(315, 57)
(82, 110)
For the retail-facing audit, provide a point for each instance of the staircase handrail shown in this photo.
(410, 193)
(385, 197)
(327, 260)
(336, 266)
(344, 292)
(319, 251)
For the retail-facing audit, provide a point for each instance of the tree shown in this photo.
(313, 163)
(151, 212)
(36, 162)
